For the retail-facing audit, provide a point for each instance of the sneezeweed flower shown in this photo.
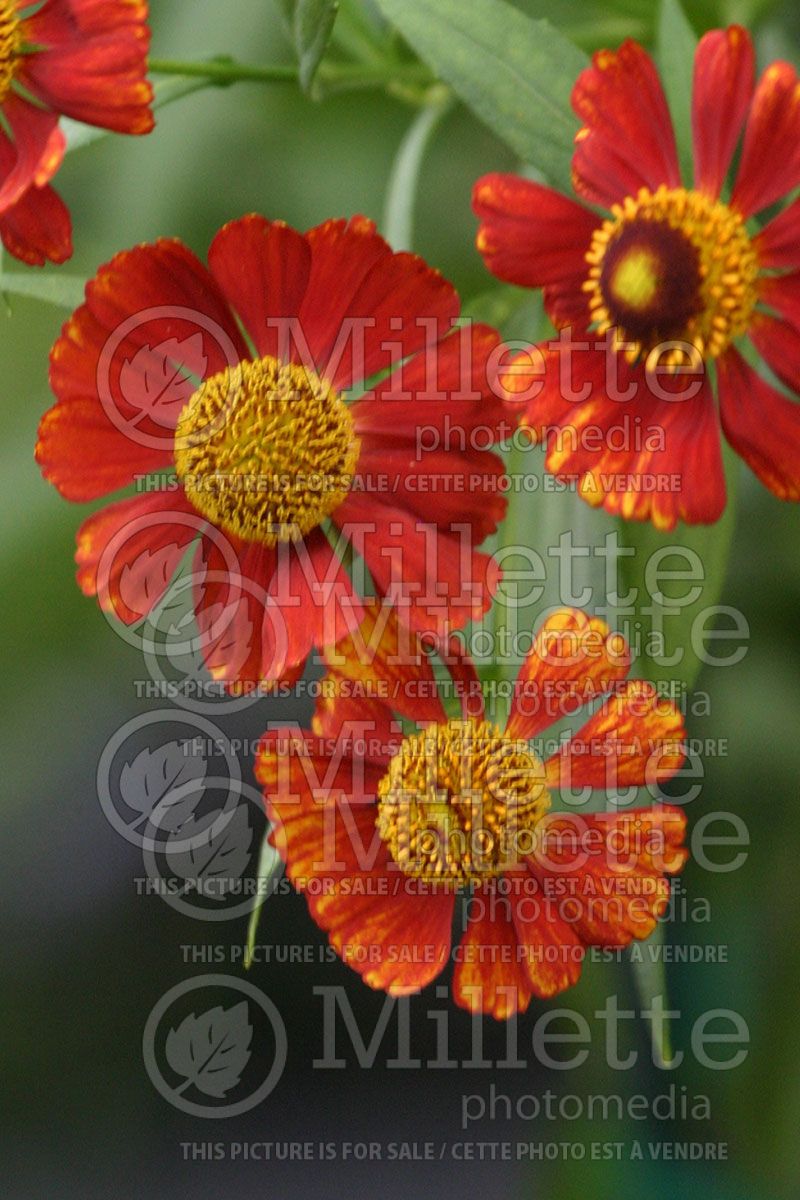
(388, 810)
(261, 453)
(84, 59)
(670, 281)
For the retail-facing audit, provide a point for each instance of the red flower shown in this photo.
(383, 831)
(84, 59)
(265, 458)
(670, 280)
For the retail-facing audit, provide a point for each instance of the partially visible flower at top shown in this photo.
(670, 280)
(246, 444)
(85, 59)
(388, 809)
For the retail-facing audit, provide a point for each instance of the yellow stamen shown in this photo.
(724, 269)
(266, 451)
(10, 45)
(460, 803)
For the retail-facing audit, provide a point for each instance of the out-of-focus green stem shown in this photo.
(357, 75)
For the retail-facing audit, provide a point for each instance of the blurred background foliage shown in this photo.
(86, 958)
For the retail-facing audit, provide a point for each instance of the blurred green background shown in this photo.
(86, 958)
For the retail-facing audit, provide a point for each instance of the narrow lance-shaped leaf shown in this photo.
(514, 73)
(678, 580)
(675, 46)
(309, 23)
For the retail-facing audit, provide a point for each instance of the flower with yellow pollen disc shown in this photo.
(266, 450)
(460, 803)
(10, 45)
(672, 265)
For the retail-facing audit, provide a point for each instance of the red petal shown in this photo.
(724, 73)
(397, 942)
(782, 292)
(635, 738)
(129, 552)
(770, 162)
(93, 62)
(385, 655)
(451, 398)
(627, 141)
(648, 458)
(778, 243)
(359, 288)
(609, 870)
(553, 953)
(153, 322)
(34, 155)
(436, 580)
(357, 718)
(529, 234)
(262, 267)
(490, 976)
(302, 773)
(393, 930)
(242, 633)
(262, 619)
(565, 302)
(85, 456)
(38, 228)
(440, 486)
(761, 425)
(315, 595)
(779, 342)
(573, 660)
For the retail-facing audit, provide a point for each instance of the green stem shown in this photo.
(226, 71)
(223, 72)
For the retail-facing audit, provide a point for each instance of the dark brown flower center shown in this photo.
(672, 266)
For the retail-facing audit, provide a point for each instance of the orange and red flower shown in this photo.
(261, 453)
(383, 825)
(670, 281)
(85, 59)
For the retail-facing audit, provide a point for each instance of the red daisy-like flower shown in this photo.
(84, 59)
(382, 826)
(261, 454)
(670, 280)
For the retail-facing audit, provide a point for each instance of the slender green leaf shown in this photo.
(515, 73)
(596, 23)
(52, 287)
(269, 864)
(665, 619)
(676, 43)
(650, 981)
(671, 615)
(401, 193)
(309, 23)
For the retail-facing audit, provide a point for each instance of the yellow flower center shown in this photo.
(10, 44)
(460, 803)
(672, 265)
(266, 451)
